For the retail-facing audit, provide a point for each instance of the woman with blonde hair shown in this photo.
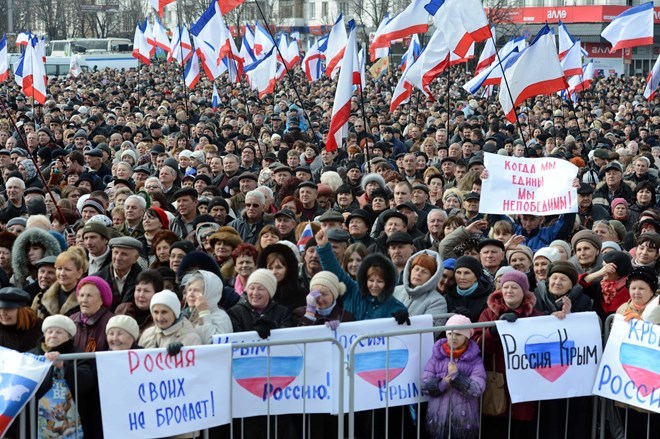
(60, 298)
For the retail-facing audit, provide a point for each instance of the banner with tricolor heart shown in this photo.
(387, 369)
(629, 371)
(549, 358)
(292, 378)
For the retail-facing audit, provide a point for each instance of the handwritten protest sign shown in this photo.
(540, 186)
(20, 377)
(386, 379)
(147, 393)
(293, 378)
(548, 358)
(629, 371)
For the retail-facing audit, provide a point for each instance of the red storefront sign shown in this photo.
(602, 50)
(567, 14)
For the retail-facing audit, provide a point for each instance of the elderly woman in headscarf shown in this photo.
(29, 172)
(94, 299)
(586, 246)
(203, 291)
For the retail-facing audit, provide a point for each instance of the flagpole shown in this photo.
(364, 121)
(506, 83)
(7, 109)
(183, 72)
(289, 74)
(448, 105)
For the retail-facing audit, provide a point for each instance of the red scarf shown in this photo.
(611, 288)
(457, 352)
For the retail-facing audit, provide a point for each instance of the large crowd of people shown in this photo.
(136, 215)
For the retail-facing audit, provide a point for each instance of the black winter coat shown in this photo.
(243, 316)
(21, 341)
(86, 396)
(475, 302)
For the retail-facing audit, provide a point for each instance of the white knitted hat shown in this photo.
(263, 277)
(127, 323)
(330, 281)
(169, 299)
(59, 321)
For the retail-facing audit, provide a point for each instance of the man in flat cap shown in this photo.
(123, 271)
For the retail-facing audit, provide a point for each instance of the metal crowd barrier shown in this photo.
(610, 410)
(599, 424)
(419, 428)
(29, 414)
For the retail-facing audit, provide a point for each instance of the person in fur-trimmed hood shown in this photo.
(371, 297)
(420, 277)
(30, 246)
(512, 301)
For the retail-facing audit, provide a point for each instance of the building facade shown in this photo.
(584, 19)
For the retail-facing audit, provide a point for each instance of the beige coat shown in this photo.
(181, 331)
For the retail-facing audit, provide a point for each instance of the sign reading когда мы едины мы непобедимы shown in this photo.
(542, 186)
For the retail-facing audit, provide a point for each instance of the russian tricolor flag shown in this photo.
(412, 20)
(305, 236)
(536, 72)
(215, 99)
(414, 49)
(4, 59)
(633, 27)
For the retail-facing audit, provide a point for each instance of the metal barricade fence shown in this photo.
(610, 411)
(28, 417)
(418, 427)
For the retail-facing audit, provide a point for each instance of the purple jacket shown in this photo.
(462, 395)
